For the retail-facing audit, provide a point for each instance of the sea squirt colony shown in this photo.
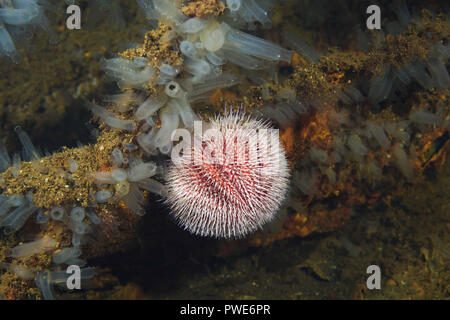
(17, 18)
(204, 46)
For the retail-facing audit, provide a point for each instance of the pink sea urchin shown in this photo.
(231, 180)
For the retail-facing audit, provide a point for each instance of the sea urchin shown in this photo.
(231, 180)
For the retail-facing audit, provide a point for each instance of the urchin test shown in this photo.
(228, 178)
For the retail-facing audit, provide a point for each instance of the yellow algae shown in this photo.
(156, 48)
(200, 8)
(49, 180)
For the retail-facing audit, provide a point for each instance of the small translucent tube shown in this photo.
(356, 146)
(165, 149)
(22, 272)
(224, 80)
(57, 213)
(169, 122)
(5, 207)
(43, 283)
(99, 111)
(192, 25)
(123, 100)
(121, 189)
(117, 157)
(402, 162)
(103, 177)
(214, 38)
(5, 161)
(168, 70)
(174, 90)
(184, 110)
(241, 42)
(119, 175)
(19, 221)
(58, 277)
(442, 51)
(424, 117)
(142, 171)
(73, 165)
(301, 46)
(150, 106)
(257, 13)
(66, 254)
(7, 46)
(153, 186)
(109, 118)
(306, 181)
(41, 217)
(8, 202)
(93, 217)
(274, 114)
(394, 131)
(318, 155)
(103, 196)
(403, 14)
(197, 66)
(379, 134)
(417, 71)
(234, 5)
(168, 37)
(344, 97)
(134, 161)
(28, 249)
(45, 279)
(214, 59)
(77, 214)
(402, 75)
(188, 49)
(354, 94)
(121, 124)
(134, 200)
(76, 261)
(101, 9)
(76, 239)
(16, 163)
(162, 171)
(439, 72)
(146, 126)
(18, 217)
(128, 72)
(130, 146)
(243, 60)
(29, 151)
(169, 10)
(147, 7)
(19, 16)
(145, 141)
(78, 227)
(162, 79)
(380, 87)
